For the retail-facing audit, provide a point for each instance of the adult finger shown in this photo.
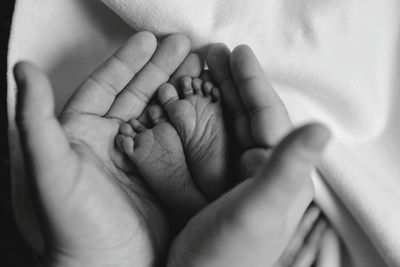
(218, 62)
(268, 117)
(330, 250)
(43, 140)
(98, 92)
(310, 249)
(131, 102)
(303, 231)
(273, 204)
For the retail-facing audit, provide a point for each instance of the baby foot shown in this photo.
(158, 155)
(198, 119)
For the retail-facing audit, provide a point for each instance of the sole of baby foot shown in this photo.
(158, 154)
(195, 111)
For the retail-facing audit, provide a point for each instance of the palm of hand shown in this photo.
(117, 219)
(95, 210)
(120, 215)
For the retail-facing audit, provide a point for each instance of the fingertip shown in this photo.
(20, 71)
(218, 62)
(147, 35)
(216, 51)
(137, 50)
(242, 53)
(244, 64)
(34, 94)
(241, 50)
(181, 43)
(26, 72)
(309, 139)
(192, 65)
(195, 60)
(217, 47)
(315, 136)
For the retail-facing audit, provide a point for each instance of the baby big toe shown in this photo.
(156, 114)
(127, 130)
(167, 94)
(186, 86)
(180, 112)
(125, 144)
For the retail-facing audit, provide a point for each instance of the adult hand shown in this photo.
(94, 210)
(253, 224)
(260, 122)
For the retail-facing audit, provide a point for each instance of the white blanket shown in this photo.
(333, 61)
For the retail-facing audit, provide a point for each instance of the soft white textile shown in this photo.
(332, 61)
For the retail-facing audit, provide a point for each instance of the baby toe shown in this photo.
(167, 94)
(196, 84)
(125, 144)
(127, 130)
(215, 94)
(207, 87)
(156, 114)
(186, 86)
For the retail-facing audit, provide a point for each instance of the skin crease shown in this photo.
(96, 211)
(81, 154)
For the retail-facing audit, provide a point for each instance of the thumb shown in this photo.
(272, 205)
(284, 183)
(43, 140)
